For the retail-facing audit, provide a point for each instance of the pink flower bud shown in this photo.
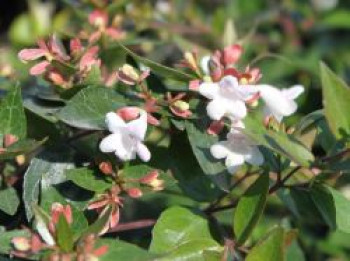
(215, 69)
(129, 113)
(98, 18)
(57, 209)
(106, 168)
(31, 54)
(194, 85)
(216, 127)
(9, 139)
(89, 59)
(75, 46)
(134, 192)
(149, 177)
(39, 68)
(231, 54)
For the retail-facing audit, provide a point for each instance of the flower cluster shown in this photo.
(232, 93)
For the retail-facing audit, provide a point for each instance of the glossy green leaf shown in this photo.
(12, 117)
(158, 68)
(88, 108)
(271, 248)
(120, 251)
(177, 226)
(333, 206)
(88, 179)
(21, 147)
(336, 102)
(99, 224)
(250, 208)
(9, 201)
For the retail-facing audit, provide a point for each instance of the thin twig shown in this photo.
(132, 225)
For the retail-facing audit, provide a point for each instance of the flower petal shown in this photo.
(137, 128)
(110, 143)
(114, 122)
(216, 109)
(143, 152)
(219, 150)
(233, 162)
(39, 68)
(31, 54)
(276, 101)
(293, 92)
(205, 64)
(209, 90)
(236, 108)
(255, 157)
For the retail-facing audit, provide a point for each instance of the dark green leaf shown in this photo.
(336, 102)
(9, 201)
(99, 224)
(201, 142)
(88, 108)
(250, 208)
(333, 206)
(21, 147)
(88, 179)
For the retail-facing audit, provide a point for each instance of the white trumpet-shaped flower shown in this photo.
(126, 140)
(228, 98)
(279, 102)
(237, 149)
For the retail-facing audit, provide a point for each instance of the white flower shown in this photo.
(279, 102)
(228, 98)
(126, 138)
(237, 149)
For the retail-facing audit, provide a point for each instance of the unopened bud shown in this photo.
(134, 192)
(181, 105)
(189, 57)
(21, 244)
(21, 159)
(129, 113)
(130, 71)
(9, 139)
(149, 177)
(215, 70)
(106, 168)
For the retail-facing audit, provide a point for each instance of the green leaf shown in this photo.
(336, 102)
(121, 251)
(64, 235)
(88, 179)
(333, 206)
(194, 250)
(88, 108)
(47, 169)
(177, 226)
(270, 248)
(9, 201)
(158, 68)
(21, 147)
(201, 142)
(250, 208)
(12, 117)
(338, 19)
(279, 142)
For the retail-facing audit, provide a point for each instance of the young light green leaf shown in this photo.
(88, 108)
(64, 235)
(88, 179)
(333, 206)
(270, 248)
(6, 237)
(336, 102)
(12, 117)
(250, 208)
(9, 201)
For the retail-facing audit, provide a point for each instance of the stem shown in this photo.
(132, 225)
(336, 156)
